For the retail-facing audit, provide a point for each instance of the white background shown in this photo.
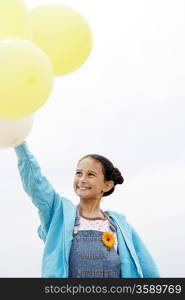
(126, 102)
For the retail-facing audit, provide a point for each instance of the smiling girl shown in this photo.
(84, 241)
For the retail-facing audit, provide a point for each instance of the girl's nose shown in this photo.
(82, 178)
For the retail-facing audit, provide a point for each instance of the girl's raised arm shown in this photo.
(36, 185)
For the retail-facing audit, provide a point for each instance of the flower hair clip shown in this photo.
(108, 239)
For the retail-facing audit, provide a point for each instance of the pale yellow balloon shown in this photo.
(64, 34)
(26, 78)
(13, 132)
(14, 19)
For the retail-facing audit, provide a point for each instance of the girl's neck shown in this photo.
(90, 210)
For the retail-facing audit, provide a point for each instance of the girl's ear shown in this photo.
(109, 185)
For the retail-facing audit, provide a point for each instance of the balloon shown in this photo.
(26, 78)
(64, 34)
(14, 19)
(13, 132)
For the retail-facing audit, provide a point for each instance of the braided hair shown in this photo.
(110, 172)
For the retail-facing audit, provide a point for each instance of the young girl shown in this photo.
(84, 241)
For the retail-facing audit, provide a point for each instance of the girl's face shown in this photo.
(89, 180)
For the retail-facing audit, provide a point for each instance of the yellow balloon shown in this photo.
(26, 78)
(14, 19)
(64, 34)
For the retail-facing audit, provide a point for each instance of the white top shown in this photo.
(99, 225)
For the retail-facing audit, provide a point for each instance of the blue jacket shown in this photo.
(57, 216)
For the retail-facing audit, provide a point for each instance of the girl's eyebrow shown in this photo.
(88, 171)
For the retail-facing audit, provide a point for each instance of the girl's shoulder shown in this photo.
(121, 220)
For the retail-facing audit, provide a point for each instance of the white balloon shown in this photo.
(14, 131)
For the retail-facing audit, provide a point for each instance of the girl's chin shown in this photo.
(83, 194)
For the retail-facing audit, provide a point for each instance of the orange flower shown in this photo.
(108, 239)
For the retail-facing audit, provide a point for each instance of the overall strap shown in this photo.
(113, 226)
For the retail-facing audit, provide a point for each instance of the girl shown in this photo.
(84, 241)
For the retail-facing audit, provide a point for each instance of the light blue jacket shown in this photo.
(57, 217)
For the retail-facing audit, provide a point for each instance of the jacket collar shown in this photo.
(124, 233)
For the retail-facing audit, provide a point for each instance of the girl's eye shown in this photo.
(77, 173)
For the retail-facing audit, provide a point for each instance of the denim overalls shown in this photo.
(89, 257)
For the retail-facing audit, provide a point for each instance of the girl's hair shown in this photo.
(110, 172)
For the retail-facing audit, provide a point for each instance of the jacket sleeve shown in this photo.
(146, 261)
(36, 186)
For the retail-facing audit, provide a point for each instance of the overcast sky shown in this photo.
(126, 102)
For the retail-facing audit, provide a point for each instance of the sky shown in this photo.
(126, 102)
